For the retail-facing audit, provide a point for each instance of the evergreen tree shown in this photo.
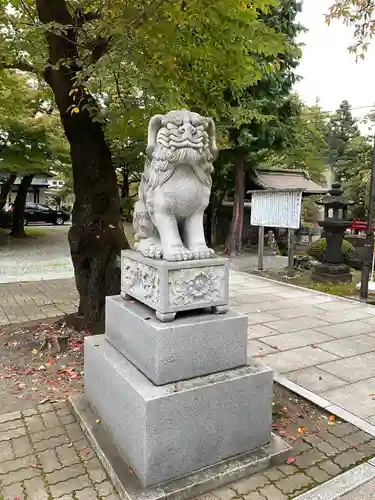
(272, 112)
(342, 128)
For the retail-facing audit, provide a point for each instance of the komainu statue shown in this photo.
(175, 187)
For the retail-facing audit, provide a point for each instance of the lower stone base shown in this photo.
(168, 431)
(189, 486)
(332, 273)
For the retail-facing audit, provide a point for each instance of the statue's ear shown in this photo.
(212, 135)
(153, 127)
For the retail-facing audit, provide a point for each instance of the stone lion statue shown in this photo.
(175, 187)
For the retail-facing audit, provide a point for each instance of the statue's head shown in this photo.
(182, 136)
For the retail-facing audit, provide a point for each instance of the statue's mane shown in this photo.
(159, 170)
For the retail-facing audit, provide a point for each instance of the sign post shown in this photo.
(281, 208)
(260, 248)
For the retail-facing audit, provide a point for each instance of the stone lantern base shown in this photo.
(332, 273)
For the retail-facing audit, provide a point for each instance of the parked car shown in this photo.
(35, 212)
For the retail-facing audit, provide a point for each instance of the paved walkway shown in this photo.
(21, 302)
(44, 455)
(323, 343)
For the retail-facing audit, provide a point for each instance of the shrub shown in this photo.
(317, 248)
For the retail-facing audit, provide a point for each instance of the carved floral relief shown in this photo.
(142, 280)
(187, 286)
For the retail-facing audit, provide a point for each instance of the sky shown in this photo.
(329, 71)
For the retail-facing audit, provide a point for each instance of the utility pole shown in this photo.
(367, 262)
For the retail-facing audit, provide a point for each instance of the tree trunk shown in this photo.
(96, 236)
(5, 189)
(125, 182)
(234, 241)
(18, 230)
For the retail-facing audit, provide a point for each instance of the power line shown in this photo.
(336, 110)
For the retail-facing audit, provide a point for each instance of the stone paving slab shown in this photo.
(29, 301)
(323, 343)
(44, 455)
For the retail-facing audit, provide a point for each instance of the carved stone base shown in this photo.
(171, 287)
(332, 273)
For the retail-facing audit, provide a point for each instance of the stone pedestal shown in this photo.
(168, 431)
(169, 287)
(332, 273)
(180, 406)
(194, 344)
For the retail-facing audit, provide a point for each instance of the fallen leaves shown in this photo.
(87, 451)
(290, 460)
(36, 466)
(331, 420)
(36, 366)
(301, 430)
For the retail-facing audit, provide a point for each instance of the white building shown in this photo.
(36, 193)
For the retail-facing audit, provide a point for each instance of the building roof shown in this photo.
(38, 179)
(279, 179)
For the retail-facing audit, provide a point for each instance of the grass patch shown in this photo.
(339, 289)
(305, 280)
(34, 232)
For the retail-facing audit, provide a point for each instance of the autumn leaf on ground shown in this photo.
(301, 430)
(290, 460)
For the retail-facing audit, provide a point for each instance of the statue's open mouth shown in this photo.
(186, 143)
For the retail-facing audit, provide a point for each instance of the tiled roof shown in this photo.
(287, 179)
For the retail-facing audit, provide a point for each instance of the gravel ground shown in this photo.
(43, 255)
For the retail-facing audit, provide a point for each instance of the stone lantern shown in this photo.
(333, 269)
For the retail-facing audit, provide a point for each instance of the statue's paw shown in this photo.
(178, 254)
(204, 253)
(153, 253)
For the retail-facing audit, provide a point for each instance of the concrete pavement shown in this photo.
(28, 301)
(322, 344)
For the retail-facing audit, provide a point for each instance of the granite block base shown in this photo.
(183, 488)
(164, 432)
(195, 344)
(332, 273)
(170, 287)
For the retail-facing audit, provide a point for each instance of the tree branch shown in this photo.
(150, 9)
(18, 64)
(100, 48)
(28, 11)
(81, 17)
